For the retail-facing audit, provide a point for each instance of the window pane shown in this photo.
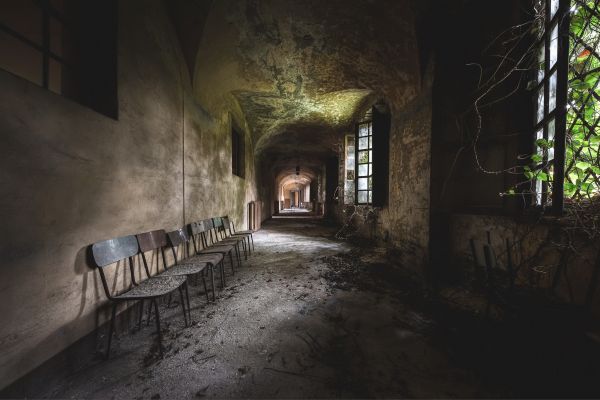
(370, 183)
(55, 77)
(363, 157)
(541, 65)
(20, 59)
(362, 183)
(363, 169)
(553, 46)
(540, 104)
(553, 8)
(362, 197)
(56, 37)
(551, 129)
(539, 135)
(58, 5)
(363, 143)
(363, 130)
(370, 196)
(552, 93)
(350, 162)
(370, 155)
(23, 17)
(370, 142)
(370, 169)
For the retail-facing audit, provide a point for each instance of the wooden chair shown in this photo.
(111, 251)
(180, 239)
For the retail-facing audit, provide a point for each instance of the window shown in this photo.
(350, 168)
(65, 46)
(567, 155)
(366, 159)
(237, 153)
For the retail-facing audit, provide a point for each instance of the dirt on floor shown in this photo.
(311, 316)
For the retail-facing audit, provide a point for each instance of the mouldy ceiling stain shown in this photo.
(269, 114)
(291, 65)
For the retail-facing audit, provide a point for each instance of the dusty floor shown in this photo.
(297, 321)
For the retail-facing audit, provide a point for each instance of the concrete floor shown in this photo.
(296, 321)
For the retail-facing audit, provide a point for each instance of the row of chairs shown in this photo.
(202, 247)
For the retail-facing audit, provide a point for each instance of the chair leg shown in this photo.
(252, 237)
(160, 346)
(149, 314)
(231, 261)
(212, 280)
(111, 328)
(187, 296)
(238, 256)
(185, 319)
(245, 251)
(205, 288)
(223, 283)
(141, 312)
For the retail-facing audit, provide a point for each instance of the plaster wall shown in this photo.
(538, 260)
(71, 177)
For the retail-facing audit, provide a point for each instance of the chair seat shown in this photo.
(241, 234)
(213, 259)
(153, 287)
(217, 249)
(185, 269)
(231, 240)
(248, 232)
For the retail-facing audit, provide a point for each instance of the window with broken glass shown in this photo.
(364, 160)
(566, 162)
(350, 170)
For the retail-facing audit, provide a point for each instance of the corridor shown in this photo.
(306, 316)
(420, 180)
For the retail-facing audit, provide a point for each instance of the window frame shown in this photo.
(48, 11)
(367, 120)
(560, 20)
(238, 148)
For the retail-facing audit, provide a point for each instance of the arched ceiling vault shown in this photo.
(301, 70)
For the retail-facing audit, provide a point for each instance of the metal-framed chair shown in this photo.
(222, 238)
(155, 242)
(211, 237)
(198, 233)
(229, 226)
(179, 239)
(109, 252)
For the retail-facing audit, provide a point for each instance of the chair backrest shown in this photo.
(152, 240)
(208, 224)
(226, 223)
(477, 252)
(490, 256)
(110, 251)
(178, 237)
(217, 222)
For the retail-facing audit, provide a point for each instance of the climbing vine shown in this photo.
(525, 61)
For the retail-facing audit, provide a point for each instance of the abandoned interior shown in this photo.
(299, 198)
